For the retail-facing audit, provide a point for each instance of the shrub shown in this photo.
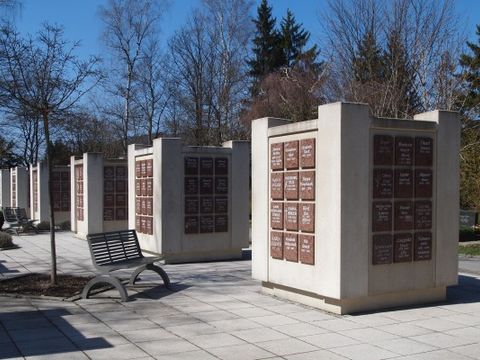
(65, 225)
(466, 233)
(5, 240)
(43, 225)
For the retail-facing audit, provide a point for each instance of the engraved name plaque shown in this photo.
(423, 151)
(403, 215)
(291, 185)
(290, 247)
(403, 151)
(423, 183)
(307, 153)
(307, 185)
(276, 245)
(423, 246)
(382, 183)
(382, 216)
(382, 150)
(291, 216)
(307, 249)
(403, 183)
(423, 215)
(403, 244)
(291, 155)
(276, 215)
(382, 251)
(276, 186)
(307, 217)
(276, 156)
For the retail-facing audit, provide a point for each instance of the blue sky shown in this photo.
(81, 22)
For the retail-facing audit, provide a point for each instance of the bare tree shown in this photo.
(43, 75)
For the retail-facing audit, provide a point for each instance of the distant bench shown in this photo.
(117, 250)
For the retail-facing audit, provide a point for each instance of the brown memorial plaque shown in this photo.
(306, 244)
(191, 205)
(191, 224)
(382, 183)
(121, 172)
(120, 200)
(423, 246)
(276, 186)
(221, 204)
(108, 186)
(381, 216)
(149, 225)
(290, 213)
(423, 183)
(138, 223)
(403, 151)
(108, 214)
(221, 185)
(306, 217)
(276, 215)
(402, 247)
(120, 214)
(143, 206)
(79, 171)
(143, 187)
(206, 185)
(221, 166)
(65, 176)
(138, 187)
(276, 245)
(221, 223)
(290, 247)
(143, 168)
(423, 151)
(307, 185)
(149, 169)
(276, 156)
(80, 201)
(56, 176)
(206, 204)
(382, 150)
(191, 185)
(149, 184)
(291, 155)
(108, 172)
(290, 181)
(403, 218)
(307, 153)
(403, 186)
(138, 169)
(149, 206)
(423, 215)
(108, 200)
(65, 206)
(191, 165)
(206, 166)
(121, 186)
(382, 249)
(206, 224)
(138, 206)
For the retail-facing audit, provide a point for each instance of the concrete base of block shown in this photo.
(348, 306)
(231, 254)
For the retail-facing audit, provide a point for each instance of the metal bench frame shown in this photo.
(23, 219)
(118, 250)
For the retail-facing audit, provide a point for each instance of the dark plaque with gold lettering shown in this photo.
(290, 212)
(149, 169)
(191, 166)
(290, 247)
(221, 185)
(291, 154)
(403, 215)
(191, 186)
(423, 246)
(306, 244)
(108, 172)
(290, 181)
(276, 156)
(138, 170)
(306, 217)
(120, 200)
(403, 151)
(149, 225)
(307, 153)
(423, 183)
(206, 224)
(402, 247)
(64, 175)
(221, 166)
(276, 215)
(382, 250)
(423, 215)
(143, 205)
(138, 187)
(120, 214)
(221, 204)
(138, 223)
(276, 245)
(206, 204)
(120, 186)
(307, 185)
(383, 150)
(221, 223)
(191, 205)
(423, 151)
(403, 183)
(108, 186)
(191, 224)
(56, 176)
(143, 187)
(149, 206)
(121, 172)
(206, 166)
(206, 185)
(138, 206)
(381, 216)
(143, 168)
(276, 186)
(108, 200)
(149, 184)
(382, 183)
(108, 214)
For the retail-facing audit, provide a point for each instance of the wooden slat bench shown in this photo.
(117, 250)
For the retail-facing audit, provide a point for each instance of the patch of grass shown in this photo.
(473, 250)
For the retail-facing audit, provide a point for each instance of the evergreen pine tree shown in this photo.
(368, 65)
(471, 62)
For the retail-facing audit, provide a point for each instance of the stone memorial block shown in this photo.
(149, 184)
(290, 211)
(306, 217)
(108, 186)
(423, 215)
(143, 187)
(276, 156)
(221, 166)
(149, 206)
(121, 172)
(206, 224)
(276, 215)
(468, 218)
(206, 185)
(121, 186)
(108, 200)
(381, 216)
(307, 185)
(191, 205)
(402, 249)
(143, 168)
(382, 249)
(423, 151)
(221, 223)
(206, 204)
(423, 246)
(191, 165)
(383, 150)
(120, 214)
(291, 155)
(383, 183)
(276, 244)
(191, 185)
(149, 167)
(306, 249)
(221, 185)
(108, 214)
(403, 215)
(404, 151)
(206, 166)
(276, 186)
(423, 183)
(307, 153)
(191, 225)
(290, 247)
(108, 172)
(403, 187)
(221, 204)
(138, 187)
(290, 181)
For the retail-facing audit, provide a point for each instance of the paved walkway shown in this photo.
(218, 312)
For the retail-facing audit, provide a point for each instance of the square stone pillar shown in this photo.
(5, 187)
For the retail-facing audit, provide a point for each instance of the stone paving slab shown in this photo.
(217, 312)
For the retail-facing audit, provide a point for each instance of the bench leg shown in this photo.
(152, 267)
(105, 279)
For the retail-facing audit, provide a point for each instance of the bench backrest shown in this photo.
(21, 214)
(9, 215)
(113, 247)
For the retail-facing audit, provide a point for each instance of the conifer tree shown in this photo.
(368, 65)
(471, 74)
